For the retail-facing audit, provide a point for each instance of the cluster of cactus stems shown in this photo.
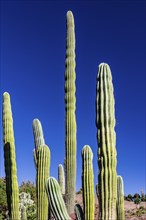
(88, 182)
(61, 178)
(10, 160)
(70, 120)
(105, 120)
(109, 190)
(120, 199)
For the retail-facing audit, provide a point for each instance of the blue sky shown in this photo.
(32, 70)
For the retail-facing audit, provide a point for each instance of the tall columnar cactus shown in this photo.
(56, 201)
(88, 183)
(70, 107)
(120, 199)
(43, 172)
(78, 212)
(10, 160)
(42, 163)
(105, 121)
(61, 179)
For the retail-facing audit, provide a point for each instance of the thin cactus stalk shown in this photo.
(23, 213)
(10, 160)
(43, 172)
(61, 178)
(57, 205)
(70, 107)
(78, 212)
(120, 199)
(88, 183)
(106, 137)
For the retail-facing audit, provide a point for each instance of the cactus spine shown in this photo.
(105, 121)
(42, 163)
(70, 107)
(61, 179)
(78, 212)
(88, 183)
(56, 201)
(120, 199)
(10, 160)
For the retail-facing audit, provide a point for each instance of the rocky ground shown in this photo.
(131, 210)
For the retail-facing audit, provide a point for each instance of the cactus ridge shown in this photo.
(10, 159)
(105, 121)
(70, 107)
(120, 198)
(43, 172)
(56, 201)
(61, 178)
(88, 183)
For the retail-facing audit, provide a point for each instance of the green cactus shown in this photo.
(43, 172)
(56, 201)
(70, 120)
(10, 160)
(120, 199)
(23, 213)
(88, 183)
(105, 121)
(61, 179)
(78, 212)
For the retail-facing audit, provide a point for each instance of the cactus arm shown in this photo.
(120, 199)
(43, 172)
(10, 160)
(105, 121)
(61, 178)
(56, 201)
(88, 183)
(23, 213)
(78, 212)
(70, 107)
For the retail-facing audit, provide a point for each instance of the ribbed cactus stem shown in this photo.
(78, 212)
(105, 121)
(23, 213)
(56, 201)
(61, 178)
(10, 160)
(70, 107)
(120, 199)
(88, 183)
(43, 172)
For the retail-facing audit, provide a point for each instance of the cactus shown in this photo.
(10, 160)
(23, 213)
(88, 183)
(105, 121)
(43, 172)
(61, 179)
(56, 201)
(78, 212)
(70, 120)
(120, 199)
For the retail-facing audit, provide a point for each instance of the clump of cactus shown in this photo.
(106, 137)
(70, 120)
(61, 178)
(88, 182)
(10, 159)
(120, 198)
(57, 205)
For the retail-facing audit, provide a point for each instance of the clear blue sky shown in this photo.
(32, 70)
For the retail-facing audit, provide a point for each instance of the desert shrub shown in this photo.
(28, 187)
